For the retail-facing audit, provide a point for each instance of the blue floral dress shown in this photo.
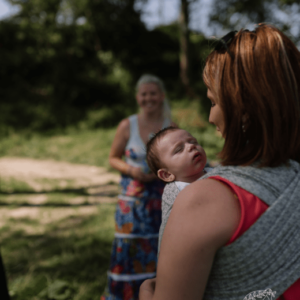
(137, 222)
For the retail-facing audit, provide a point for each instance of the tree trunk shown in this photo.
(185, 47)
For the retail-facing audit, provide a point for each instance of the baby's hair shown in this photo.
(152, 156)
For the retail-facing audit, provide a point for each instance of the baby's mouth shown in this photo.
(197, 155)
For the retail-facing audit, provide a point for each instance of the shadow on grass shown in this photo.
(69, 261)
(80, 191)
(53, 204)
(84, 191)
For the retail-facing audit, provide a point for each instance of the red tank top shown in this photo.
(254, 208)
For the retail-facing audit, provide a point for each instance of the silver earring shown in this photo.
(243, 128)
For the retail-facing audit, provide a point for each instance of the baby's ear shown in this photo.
(165, 175)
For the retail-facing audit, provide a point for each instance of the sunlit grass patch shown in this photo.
(31, 184)
(48, 184)
(76, 146)
(186, 115)
(39, 199)
(10, 184)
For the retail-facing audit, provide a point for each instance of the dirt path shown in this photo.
(36, 172)
(45, 176)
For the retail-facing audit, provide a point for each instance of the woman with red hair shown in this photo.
(235, 234)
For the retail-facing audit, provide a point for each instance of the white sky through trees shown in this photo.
(155, 12)
(163, 12)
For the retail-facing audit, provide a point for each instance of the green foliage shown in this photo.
(92, 147)
(68, 260)
(64, 60)
(236, 14)
(200, 48)
(59, 289)
(289, 2)
(84, 146)
(9, 185)
(56, 80)
(52, 73)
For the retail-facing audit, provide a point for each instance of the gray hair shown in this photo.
(148, 78)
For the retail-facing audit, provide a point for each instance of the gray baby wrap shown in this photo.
(267, 255)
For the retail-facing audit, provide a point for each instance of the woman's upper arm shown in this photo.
(204, 216)
(120, 140)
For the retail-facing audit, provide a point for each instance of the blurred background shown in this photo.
(69, 62)
(68, 70)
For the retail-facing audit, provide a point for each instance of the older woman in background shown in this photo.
(138, 213)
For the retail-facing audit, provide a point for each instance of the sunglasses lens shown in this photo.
(225, 41)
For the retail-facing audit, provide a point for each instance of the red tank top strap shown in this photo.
(248, 203)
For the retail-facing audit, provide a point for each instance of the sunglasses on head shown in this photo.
(223, 42)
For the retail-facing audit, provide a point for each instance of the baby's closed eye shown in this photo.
(178, 149)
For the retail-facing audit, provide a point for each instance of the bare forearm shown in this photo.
(120, 165)
(134, 172)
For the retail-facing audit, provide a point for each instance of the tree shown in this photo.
(232, 14)
(64, 58)
(184, 40)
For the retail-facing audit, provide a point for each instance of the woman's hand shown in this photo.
(147, 289)
(117, 151)
(138, 174)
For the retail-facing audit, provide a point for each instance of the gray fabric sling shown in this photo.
(267, 255)
(170, 193)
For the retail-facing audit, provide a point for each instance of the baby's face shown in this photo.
(180, 153)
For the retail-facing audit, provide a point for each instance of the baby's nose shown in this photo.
(191, 147)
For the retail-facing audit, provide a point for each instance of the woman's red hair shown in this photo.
(257, 85)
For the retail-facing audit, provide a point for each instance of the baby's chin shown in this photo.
(192, 177)
(201, 172)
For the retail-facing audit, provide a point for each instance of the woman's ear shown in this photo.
(165, 175)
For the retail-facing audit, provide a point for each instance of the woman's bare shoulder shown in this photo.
(124, 124)
(204, 217)
(123, 129)
(211, 204)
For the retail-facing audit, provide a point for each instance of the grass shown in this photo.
(66, 259)
(13, 185)
(84, 146)
(56, 245)
(92, 147)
